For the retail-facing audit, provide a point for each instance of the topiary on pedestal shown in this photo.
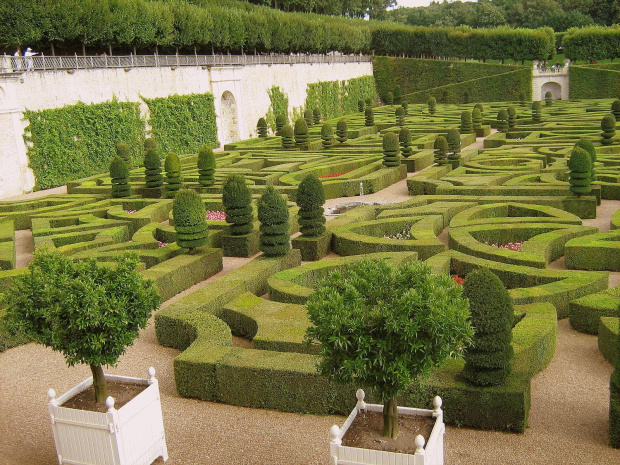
(391, 150)
(327, 135)
(120, 178)
(522, 98)
(288, 139)
(316, 115)
(580, 168)
(206, 166)
(441, 150)
(400, 116)
(588, 146)
(342, 131)
(405, 105)
(152, 169)
(281, 121)
(190, 220)
(301, 132)
(274, 226)
(361, 106)
(369, 117)
(237, 200)
(466, 122)
(536, 112)
(488, 361)
(172, 166)
(615, 109)
(454, 144)
(308, 117)
(476, 118)
(310, 199)
(261, 127)
(122, 151)
(548, 98)
(432, 105)
(512, 117)
(608, 126)
(502, 120)
(404, 138)
(389, 98)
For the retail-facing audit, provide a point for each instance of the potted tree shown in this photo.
(91, 313)
(382, 327)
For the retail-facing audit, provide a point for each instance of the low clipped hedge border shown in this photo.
(608, 334)
(586, 312)
(594, 252)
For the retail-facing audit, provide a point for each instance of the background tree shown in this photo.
(391, 150)
(342, 131)
(120, 178)
(152, 169)
(190, 220)
(580, 168)
(261, 127)
(206, 166)
(382, 327)
(88, 312)
(273, 216)
(172, 166)
(441, 150)
(310, 199)
(608, 126)
(237, 200)
(327, 135)
(404, 139)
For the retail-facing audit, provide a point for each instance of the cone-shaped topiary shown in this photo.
(172, 166)
(615, 109)
(342, 131)
(310, 199)
(502, 120)
(454, 144)
(308, 117)
(398, 95)
(120, 178)
(149, 144)
(206, 166)
(441, 150)
(301, 131)
(614, 401)
(327, 135)
(467, 126)
(316, 115)
(536, 113)
(608, 126)
(432, 105)
(400, 116)
(190, 220)
(404, 138)
(237, 201)
(288, 139)
(512, 117)
(488, 359)
(361, 106)
(281, 121)
(548, 98)
(261, 127)
(122, 151)
(522, 98)
(588, 146)
(580, 168)
(274, 227)
(476, 118)
(466, 97)
(391, 150)
(389, 98)
(152, 169)
(369, 117)
(370, 102)
(405, 105)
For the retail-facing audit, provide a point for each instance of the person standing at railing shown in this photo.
(17, 60)
(28, 54)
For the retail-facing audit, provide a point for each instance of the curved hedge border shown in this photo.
(594, 252)
(586, 312)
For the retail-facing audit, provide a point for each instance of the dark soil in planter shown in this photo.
(367, 428)
(122, 393)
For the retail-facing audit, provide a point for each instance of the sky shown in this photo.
(412, 3)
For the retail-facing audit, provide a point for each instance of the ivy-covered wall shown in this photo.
(597, 81)
(279, 106)
(336, 98)
(76, 141)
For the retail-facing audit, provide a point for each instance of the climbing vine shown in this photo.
(279, 106)
(78, 140)
(183, 123)
(336, 98)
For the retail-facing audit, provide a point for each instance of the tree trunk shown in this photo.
(53, 51)
(83, 49)
(390, 419)
(101, 386)
(110, 49)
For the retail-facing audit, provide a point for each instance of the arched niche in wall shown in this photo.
(230, 123)
(553, 87)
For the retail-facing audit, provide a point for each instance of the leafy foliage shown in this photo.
(335, 98)
(453, 137)
(588, 146)
(277, 109)
(288, 139)
(502, 120)
(273, 216)
(466, 122)
(123, 151)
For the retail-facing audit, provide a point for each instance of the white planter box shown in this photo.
(429, 454)
(131, 435)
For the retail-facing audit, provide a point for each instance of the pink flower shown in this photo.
(216, 215)
(130, 212)
(162, 244)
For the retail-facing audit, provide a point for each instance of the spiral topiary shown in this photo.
(405, 105)
(389, 98)
(152, 169)
(488, 359)
(467, 126)
(123, 151)
(369, 117)
(536, 113)
(441, 150)
(172, 166)
(342, 131)
(400, 116)
(404, 138)
(522, 98)
(512, 117)
(206, 166)
(548, 98)
(316, 115)
(432, 105)
(454, 144)
(288, 138)
(370, 102)
(301, 132)
(608, 126)
(308, 117)
(327, 135)
(398, 95)
(120, 178)
(361, 106)
(281, 121)
(391, 149)
(261, 127)
(237, 201)
(190, 220)
(588, 146)
(476, 118)
(580, 168)
(502, 120)
(615, 109)
(274, 227)
(310, 199)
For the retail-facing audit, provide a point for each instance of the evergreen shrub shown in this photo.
(588, 146)
(522, 98)
(310, 199)
(369, 117)
(580, 171)
(404, 138)
(512, 117)
(614, 400)
(327, 135)
(361, 106)
(342, 131)
(152, 168)
(316, 115)
(301, 131)
(502, 120)
(391, 150)
(432, 105)
(123, 151)
(206, 166)
(172, 166)
(261, 127)
(237, 200)
(288, 139)
(150, 144)
(281, 121)
(608, 126)
(120, 178)
(615, 109)
(405, 105)
(389, 98)
(466, 122)
(190, 220)
(548, 99)
(398, 95)
(308, 117)
(476, 118)
(400, 116)
(274, 226)
(370, 103)
(454, 144)
(536, 113)
(441, 150)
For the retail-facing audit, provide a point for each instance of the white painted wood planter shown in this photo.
(425, 454)
(131, 435)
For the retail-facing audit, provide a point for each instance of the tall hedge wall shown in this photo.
(336, 98)
(593, 82)
(592, 43)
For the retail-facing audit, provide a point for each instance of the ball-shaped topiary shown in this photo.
(172, 166)
(389, 98)
(400, 116)
(301, 132)
(548, 98)
(327, 135)
(369, 117)
(308, 117)
(206, 166)
(467, 126)
(488, 360)
(281, 121)
(512, 117)
(123, 151)
(149, 144)
(580, 168)
(342, 131)
(441, 150)
(404, 138)
(405, 105)
(536, 113)
(310, 199)
(588, 146)
(361, 106)
(120, 178)
(237, 200)
(615, 109)
(261, 127)
(316, 115)
(274, 227)
(454, 144)
(152, 169)
(608, 126)
(476, 118)
(391, 149)
(522, 98)
(288, 138)
(502, 120)
(432, 105)
(190, 220)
